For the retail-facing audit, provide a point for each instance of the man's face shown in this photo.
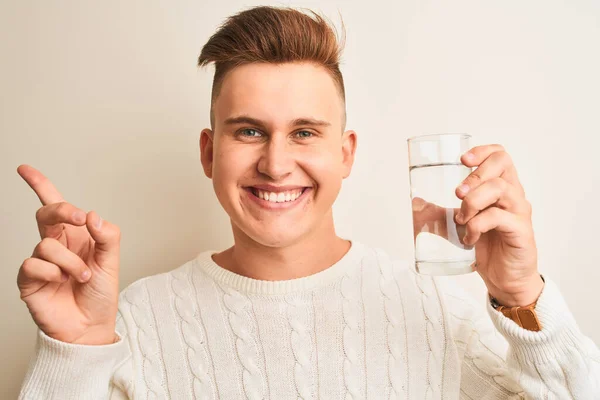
(277, 155)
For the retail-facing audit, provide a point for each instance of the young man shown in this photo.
(291, 310)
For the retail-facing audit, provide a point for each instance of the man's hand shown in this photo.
(71, 282)
(495, 217)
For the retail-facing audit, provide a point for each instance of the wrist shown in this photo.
(525, 296)
(98, 337)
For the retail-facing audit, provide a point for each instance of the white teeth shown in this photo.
(280, 197)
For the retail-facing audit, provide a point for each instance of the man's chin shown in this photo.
(278, 237)
(277, 241)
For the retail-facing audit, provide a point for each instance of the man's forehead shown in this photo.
(279, 76)
(281, 93)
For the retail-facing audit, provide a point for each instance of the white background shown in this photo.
(106, 99)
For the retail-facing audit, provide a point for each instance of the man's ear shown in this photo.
(206, 151)
(348, 151)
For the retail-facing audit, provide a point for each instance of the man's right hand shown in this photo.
(71, 281)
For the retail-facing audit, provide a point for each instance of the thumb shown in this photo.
(108, 240)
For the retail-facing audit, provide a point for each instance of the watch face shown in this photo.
(494, 303)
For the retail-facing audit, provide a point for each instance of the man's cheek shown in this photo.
(320, 163)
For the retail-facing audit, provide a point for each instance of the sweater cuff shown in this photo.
(557, 338)
(62, 370)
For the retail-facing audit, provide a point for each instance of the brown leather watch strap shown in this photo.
(525, 316)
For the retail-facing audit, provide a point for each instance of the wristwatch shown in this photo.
(524, 316)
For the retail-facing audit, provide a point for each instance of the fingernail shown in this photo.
(79, 216)
(85, 275)
(98, 224)
(469, 156)
(464, 188)
(459, 217)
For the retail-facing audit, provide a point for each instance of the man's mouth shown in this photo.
(278, 196)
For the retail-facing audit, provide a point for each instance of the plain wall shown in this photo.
(106, 99)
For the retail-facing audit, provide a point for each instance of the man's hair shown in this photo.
(274, 35)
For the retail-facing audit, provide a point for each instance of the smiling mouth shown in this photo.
(278, 197)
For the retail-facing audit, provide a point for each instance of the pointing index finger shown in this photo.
(43, 188)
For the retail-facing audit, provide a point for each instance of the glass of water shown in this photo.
(435, 172)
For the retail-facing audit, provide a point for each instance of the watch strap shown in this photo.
(524, 316)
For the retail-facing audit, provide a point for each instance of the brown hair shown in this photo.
(273, 35)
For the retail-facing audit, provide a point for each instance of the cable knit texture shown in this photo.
(351, 341)
(193, 334)
(302, 344)
(435, 337)
(364, 328)
(395, 329)
(240, 320)
(148, 343)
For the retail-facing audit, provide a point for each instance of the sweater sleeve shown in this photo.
(558, 362)
(61, 370)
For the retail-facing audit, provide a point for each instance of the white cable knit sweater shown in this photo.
(366, 327)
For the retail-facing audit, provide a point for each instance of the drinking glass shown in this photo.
(435, 171)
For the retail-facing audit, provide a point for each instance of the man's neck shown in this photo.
(310, 255)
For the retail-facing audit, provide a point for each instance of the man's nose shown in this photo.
(276, 160)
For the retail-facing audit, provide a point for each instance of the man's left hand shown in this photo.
(497, 218)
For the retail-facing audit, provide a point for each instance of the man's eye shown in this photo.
(250, 133)
(304, 134)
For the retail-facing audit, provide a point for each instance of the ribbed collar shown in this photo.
(242, 283)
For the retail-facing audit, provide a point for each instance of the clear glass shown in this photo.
(435, 172)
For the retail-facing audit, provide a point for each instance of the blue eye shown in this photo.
(304, 134)
(250, 133)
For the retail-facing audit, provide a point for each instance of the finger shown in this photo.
(427, 211)
(461, 232)
(108, 241)
(496, 165)
(43, 188)
(54, 252)
(429, 217)
(35, 270)
(495, 192)
(475, 156)
(491, 218)
(50, 218)
(418, 204)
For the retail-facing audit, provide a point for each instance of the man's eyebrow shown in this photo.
(309, 122)
(244, 119)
